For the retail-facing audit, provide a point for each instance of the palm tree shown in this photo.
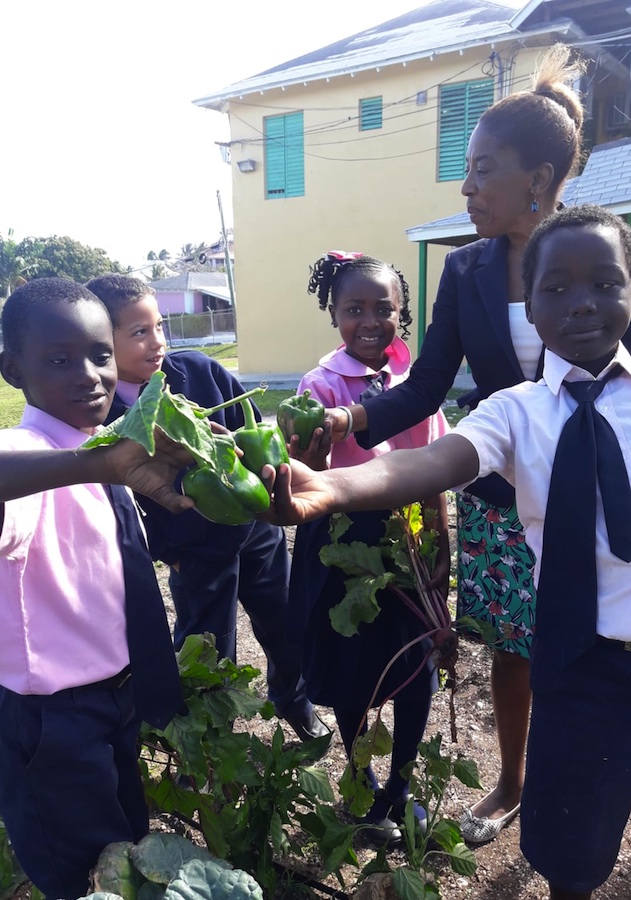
(15, 265)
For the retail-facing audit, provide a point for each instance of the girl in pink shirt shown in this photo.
(367, 300)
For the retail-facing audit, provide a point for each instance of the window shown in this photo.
(370, 113)
(284, 156)
(460, 107)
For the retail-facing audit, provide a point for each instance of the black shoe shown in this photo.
(379, 828)
(382, 832)
(309, 727)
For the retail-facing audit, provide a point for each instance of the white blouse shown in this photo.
(526, 341)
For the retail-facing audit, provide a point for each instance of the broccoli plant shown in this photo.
(167, 867)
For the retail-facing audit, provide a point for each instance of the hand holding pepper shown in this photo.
(300, 415)
(316, 456)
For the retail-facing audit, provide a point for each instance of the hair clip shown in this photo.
(340, 257)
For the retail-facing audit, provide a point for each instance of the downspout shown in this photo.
(422, 293)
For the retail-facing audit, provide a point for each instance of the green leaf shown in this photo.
(410, 885)
(333, 837)
(359, 603)
(198, 880)
(277, 834)
(486, 630)
(139, 421)
(446, 832)
(314, 781)
(356, 791)
(462, 860)
(339, 523)
(466, 771)
(354, 558)
(160, 856)
(376, 741)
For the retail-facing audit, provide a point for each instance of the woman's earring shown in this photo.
(534, 206)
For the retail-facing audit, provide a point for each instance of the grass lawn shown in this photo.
(12, 401)
(11, 405)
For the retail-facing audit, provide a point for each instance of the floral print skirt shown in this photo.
(495, 573)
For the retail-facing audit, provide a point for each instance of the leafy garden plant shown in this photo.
(250, 801)
(402, 564)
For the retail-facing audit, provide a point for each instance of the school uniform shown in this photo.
(577, 796)
(69, 778)
(220, 564)
(343, 672)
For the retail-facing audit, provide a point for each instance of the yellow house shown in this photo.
(354, 144)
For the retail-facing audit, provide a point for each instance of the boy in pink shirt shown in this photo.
(69, 701)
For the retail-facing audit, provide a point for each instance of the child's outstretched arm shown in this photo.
(391, 480)
(32, 471)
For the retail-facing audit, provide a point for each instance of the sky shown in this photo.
(101, 140)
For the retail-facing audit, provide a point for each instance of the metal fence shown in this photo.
(212, 327)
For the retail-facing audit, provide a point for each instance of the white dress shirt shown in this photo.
(516, 431)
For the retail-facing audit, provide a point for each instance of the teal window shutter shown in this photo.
(370, 113)
(284, 156)
(460, 107)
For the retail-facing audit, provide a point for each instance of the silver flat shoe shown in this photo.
(476, 830)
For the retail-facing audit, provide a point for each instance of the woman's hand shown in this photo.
(298, 494)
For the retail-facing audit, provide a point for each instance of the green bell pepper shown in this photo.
(262, 444)
(226, 493)
(300, 415)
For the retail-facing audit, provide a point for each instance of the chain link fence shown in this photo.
(211, 327)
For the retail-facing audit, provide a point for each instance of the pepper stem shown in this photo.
(248, 415)
(304, 400)
(234, 401)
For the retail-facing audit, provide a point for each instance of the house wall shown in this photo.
(174, 302)
(362, 190)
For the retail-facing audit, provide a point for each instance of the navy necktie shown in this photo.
(377, 386)
(154, 672)
(588, 454)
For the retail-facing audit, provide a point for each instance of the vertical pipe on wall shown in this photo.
(421, 322)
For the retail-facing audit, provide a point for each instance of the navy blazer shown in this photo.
(470, 319)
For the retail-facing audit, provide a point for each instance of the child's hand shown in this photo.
(316, 454)
(440, 576)
(298, 494)
(126, 462)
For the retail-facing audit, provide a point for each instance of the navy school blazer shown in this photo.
(470, 319)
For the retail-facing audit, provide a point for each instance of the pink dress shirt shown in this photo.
(62, 619)
(339, 380)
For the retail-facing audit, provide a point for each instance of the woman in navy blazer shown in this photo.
(518, 159)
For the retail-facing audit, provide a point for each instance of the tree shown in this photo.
(16, 264)
(62, 256)
(157, 272)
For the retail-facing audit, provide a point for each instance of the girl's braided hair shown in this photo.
(328, 274)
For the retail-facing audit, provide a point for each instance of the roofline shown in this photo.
(218, 101)
(442, 234)
(522, 14)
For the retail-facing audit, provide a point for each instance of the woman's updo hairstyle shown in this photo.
(543, 125)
